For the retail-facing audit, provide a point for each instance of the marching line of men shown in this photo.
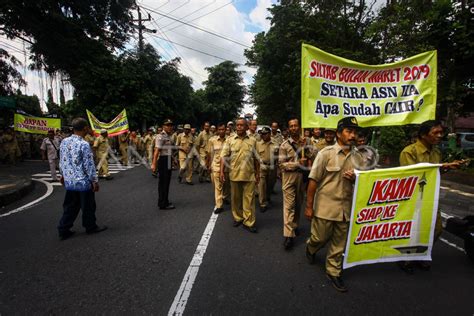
(317, 174)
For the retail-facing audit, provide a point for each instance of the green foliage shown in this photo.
(392, 140)
(8, 73)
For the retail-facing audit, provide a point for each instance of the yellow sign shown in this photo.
(117, 126)
(35, 125)
(393, 215)
(403, 92)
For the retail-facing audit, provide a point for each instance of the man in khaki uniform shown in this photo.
(201, 146)
(267, 153)
(243, 175)
(316, 137)
(148, 145)
(252, 131)
(329, 199)
(276, 136)
(123, 147)
(292, 163)
(101, 146)
(329, 139)
(424, 149)
(184, 143)
(90, 138)
(214, 147)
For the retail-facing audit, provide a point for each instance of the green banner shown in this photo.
(393, 215)
(117, 126)
(35, 125)
(403, 92)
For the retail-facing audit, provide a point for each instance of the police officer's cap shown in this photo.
(187, 126)
(265, 130)
(168, 122)
(348, 122)
(230, 123)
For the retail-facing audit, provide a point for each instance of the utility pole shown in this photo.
(142, 28)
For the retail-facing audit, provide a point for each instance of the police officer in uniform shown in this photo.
(243, 175)
(292, 163)
(329, 199)
(162, 164)
(214, 147)
(268, 153)
(101, 147)
(184, 144)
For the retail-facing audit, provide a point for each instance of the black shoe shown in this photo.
(297, 231)
(236, 223)
(169, 207)
(310, 257)
(109, 178)
(263, 209)
(252, 229)
(154, 174)
(406, 266)
(180, 179)
(218, 210)
(226, 202)
(288, 243)
(189, 183)
(337, 282)
(96, 229)
(65, 235)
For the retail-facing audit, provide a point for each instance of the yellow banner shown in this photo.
(35, 125)
(399, 93)
(393, 215)
(117, 126)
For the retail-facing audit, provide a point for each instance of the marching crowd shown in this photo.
(316, 169)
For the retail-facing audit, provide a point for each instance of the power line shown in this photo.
(175, 9)
(191, 13)
(198, 28)
(194, 19)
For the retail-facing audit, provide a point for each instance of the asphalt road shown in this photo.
(138, 264)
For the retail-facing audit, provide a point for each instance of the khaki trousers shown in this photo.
(124, 154)
(324, 231)
(103, 165)
(243, 201)
(219, 188)
(293, 195)
(265, 187)
(53, 163)
(149, 155)
(186, 169)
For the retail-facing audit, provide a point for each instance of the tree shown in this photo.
(334, 26)
(224, 92)
(8, 73)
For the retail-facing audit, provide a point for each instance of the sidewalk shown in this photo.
(15, 181)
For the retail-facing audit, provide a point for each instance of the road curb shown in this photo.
(14, 188)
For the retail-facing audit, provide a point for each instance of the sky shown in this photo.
(238, 21)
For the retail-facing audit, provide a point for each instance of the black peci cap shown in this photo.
(346, 122)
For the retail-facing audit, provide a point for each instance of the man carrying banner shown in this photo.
(50, 149)
(424, 149)
(101, 147)
(330, 191)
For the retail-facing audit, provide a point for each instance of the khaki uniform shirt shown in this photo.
(148, 141)
(202, 140)
(90, 139)
(323, 144)
(242, 157)
(123, 140)
(417, 152)
(267, 153)
(255, 135)
(184, 142)
(277, 139)
(333, 198)
(288, 158)
(164, 144)
(214, 148)
(101, 145)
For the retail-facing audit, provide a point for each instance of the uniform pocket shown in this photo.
(333, 168)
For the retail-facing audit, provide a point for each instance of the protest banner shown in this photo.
(403, 92)
(117, 126)
(35, 125)
(393, 215)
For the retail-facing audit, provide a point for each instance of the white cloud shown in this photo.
(260, 13)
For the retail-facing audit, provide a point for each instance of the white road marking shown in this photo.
(181, 298)
(49, 190)
(452, 245)
(445, 216)
(41, 174)
(457, 191)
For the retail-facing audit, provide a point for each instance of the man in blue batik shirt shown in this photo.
(80, 180)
